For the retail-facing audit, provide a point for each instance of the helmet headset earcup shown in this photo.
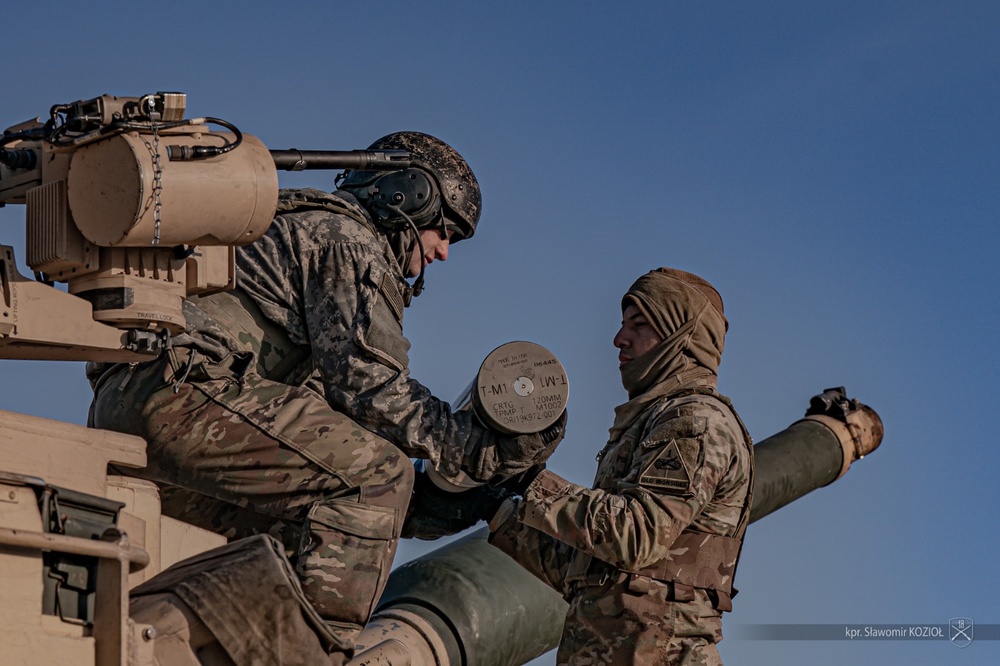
(397, 194)
(460, 196)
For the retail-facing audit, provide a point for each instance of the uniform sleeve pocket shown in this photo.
(382, 333)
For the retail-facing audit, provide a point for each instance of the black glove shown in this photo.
(555, 433)
(490, 454)
(434, 513)
(518, 484)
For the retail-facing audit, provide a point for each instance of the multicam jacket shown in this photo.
(625, 553)
(325, 295)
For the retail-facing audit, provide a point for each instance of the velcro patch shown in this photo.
(393, 298)
(668, 471)
(682, 423)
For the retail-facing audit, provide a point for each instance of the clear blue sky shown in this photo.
(831, 167)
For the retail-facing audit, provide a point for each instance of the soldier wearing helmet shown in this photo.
(646, 558)
(424, 209)
(288, 408)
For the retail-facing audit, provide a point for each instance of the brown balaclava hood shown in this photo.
(687, 312)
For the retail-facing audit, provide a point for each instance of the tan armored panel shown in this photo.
(64, 454)
(39, 453)
(27, 634)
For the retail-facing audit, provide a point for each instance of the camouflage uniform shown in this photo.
(645, 558)
(287, 407)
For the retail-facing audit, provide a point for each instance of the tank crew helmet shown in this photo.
(438, 190)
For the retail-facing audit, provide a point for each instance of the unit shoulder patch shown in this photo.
(672, 470)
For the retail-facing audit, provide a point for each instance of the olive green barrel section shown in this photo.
(801, 458)
(813, 452)
(497, 612)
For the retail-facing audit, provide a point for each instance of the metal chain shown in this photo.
(157, 184)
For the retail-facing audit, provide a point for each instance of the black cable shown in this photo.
(418, 284)
(61, 123)
(58, 130)
(232, 128)
(202, 152)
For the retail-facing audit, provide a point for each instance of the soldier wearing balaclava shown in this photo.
(646, 558)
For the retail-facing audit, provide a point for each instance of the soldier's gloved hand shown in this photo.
(434, 513)
(555, 432)
(490, 454)
(517, 485)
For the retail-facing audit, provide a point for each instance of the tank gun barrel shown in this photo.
(814, 451)
(468, 603)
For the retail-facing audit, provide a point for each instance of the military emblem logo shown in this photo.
(667, 471)
(960, 631)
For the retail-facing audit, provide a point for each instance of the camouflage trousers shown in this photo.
(627, 619)
(241, 455)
